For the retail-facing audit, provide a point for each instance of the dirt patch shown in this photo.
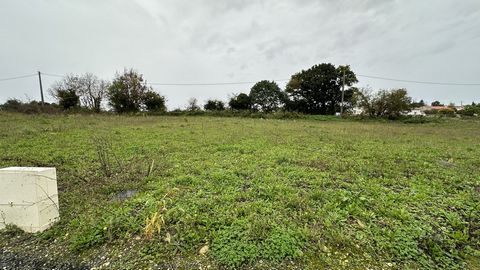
(14, 261)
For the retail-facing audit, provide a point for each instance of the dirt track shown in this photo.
(14, 261)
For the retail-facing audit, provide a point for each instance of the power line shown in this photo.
(201, 84)
(183, 84)
(53, 75)
(251, 82)
(419, 82)
(18, 77)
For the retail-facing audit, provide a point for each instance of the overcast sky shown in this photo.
(205, 41)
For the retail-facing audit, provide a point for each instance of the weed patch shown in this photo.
(243, 242)
(254, 193)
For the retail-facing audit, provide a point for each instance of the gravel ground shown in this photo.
(14, 261)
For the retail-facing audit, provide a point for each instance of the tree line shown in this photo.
(128, 92)
(317, 90)
(313, 91)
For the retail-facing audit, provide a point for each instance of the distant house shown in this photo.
(438, 108)
(357, 111)
(431, 108)
(416, 112)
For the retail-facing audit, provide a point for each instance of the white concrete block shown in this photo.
(28, 198)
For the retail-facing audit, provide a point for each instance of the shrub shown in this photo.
(214, 105)
(67, 92)
(431, 112)
(385, 103)
(68, 99)
(470, 110)
(154, 102)
(447, 112)
(192, 105)
(12, 105)
(419, 120)
(32, 107)
(241, 101)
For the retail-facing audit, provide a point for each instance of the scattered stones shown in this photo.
(203, 250)
(16, 261)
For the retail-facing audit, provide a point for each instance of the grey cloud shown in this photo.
(442, 47)
(241, 40)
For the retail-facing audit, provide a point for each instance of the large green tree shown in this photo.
(127, 91)
(318, 90)
(266, 96)
(130, 93)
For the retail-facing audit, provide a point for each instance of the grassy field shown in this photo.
(208, 193)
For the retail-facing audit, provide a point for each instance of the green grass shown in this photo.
(285, 194)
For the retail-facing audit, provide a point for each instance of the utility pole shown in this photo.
(343, 91)
(41, 87)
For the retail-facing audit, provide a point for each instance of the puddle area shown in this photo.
(124, 195)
